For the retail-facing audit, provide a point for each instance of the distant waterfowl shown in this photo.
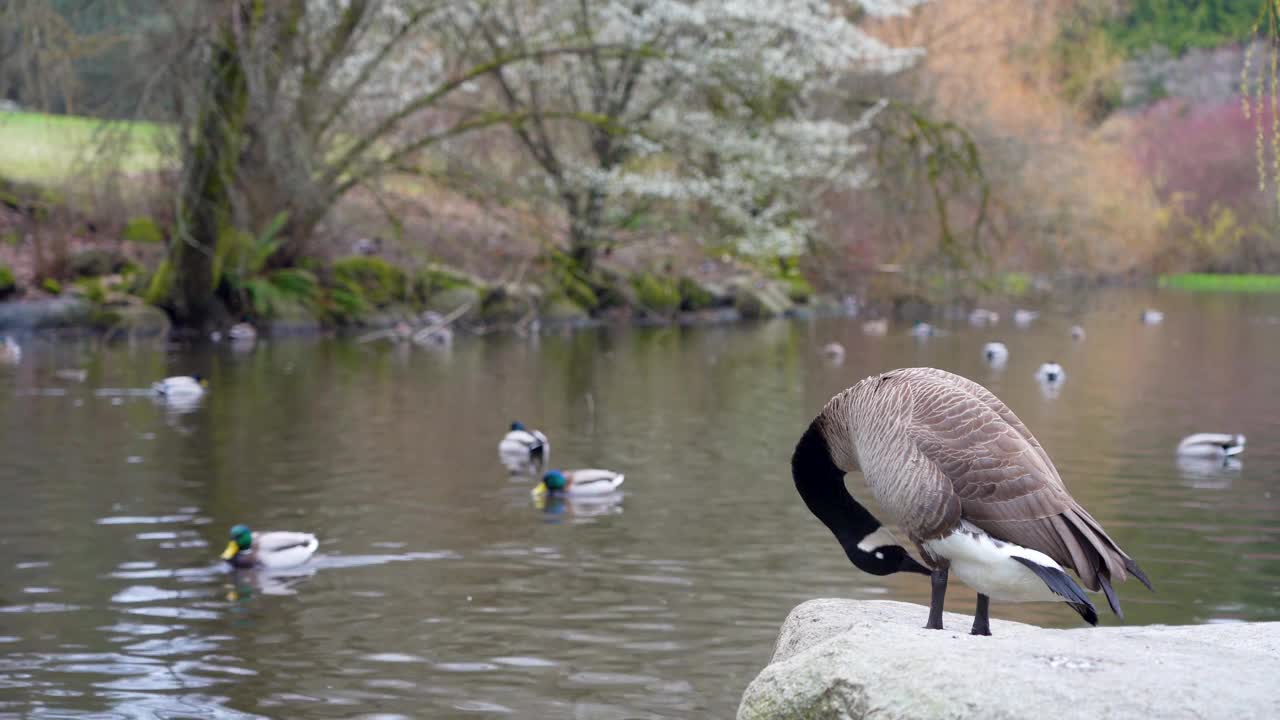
(242, 332)
(1211, 445)
(180, 386)
(834, 352)
(1077, 332)
(876, 327)
(1152, 317)
(576, 483)
(995, 353)
(1023, 318)
(981, 317)
(1051, 373)
(923, 330)
(10, 351)
(270, 550)
(525, 445)
(969, 485)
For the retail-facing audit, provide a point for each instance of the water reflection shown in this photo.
(1208, 473)
(442, 589)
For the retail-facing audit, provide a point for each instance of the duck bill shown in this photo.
(540, 491)
(232, 549)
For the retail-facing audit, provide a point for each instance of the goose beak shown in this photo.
(540, 491)
(230, 552)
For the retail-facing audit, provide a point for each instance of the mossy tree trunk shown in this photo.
(206, 212)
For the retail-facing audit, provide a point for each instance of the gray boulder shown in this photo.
(873, 659)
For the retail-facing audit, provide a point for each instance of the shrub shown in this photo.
(96, 262)
(656, 294)
(377, 281)
(8, 284)
(693, 296)
(436, 279)
(51, 286)
(142, 229)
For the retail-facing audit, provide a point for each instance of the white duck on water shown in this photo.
(180, 386)
(1051, 373)
(970, 486)
(995, 353)
(1211, 445)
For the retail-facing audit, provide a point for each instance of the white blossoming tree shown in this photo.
(707, 104)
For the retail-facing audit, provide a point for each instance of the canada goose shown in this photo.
(180, 386)
(1051, 373)
(10, 351)
(1211, 445)
(1077, 332)
(525, 445)
(876, 327)
(1152, 317)
(834, 352)
(981, 317)
(971, 487)
(248, 549)
(1024, 318)
(995, 353)
(578, 482)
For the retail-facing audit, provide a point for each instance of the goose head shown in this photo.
(241, 540)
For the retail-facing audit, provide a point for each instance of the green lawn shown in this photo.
(55, 150)
(1221, 283)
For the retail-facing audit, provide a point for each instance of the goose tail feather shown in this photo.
(1063, 586)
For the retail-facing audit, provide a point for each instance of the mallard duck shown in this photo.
(524, 444)
(180, 386)
(834, 352)
(995, 353)
(10, 351)
(1211, 445)
(970, 486)
(1077, 332)
(923, 330)
(1152, 317)
(248, 549)
(576, 483)
(981, 317)
(1023, 318)
(1051, 373)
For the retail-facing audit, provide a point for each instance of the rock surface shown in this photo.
(873, 659)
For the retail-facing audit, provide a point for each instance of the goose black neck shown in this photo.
(821, 484)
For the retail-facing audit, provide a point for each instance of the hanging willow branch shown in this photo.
(1255, 93)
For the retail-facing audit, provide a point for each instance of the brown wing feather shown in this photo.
(1006, 483)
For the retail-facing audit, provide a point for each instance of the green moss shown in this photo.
(92, 289)
(158, 290)
(142, 229)
(798, 289)
(379, 282)
(656, 294)
(693, 296)
(345, 303)
(51, 286)
(8, 284)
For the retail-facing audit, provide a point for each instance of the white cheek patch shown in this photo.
(879, 538)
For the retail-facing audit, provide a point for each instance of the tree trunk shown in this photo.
(205, 209)
(585, 218)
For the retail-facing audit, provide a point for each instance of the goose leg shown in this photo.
(937, 599)
(982, 616)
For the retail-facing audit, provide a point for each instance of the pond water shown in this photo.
(440, 590)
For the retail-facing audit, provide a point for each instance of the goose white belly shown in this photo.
(988, 566)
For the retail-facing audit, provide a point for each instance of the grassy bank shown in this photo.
(1208, 282)
(53, 150)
